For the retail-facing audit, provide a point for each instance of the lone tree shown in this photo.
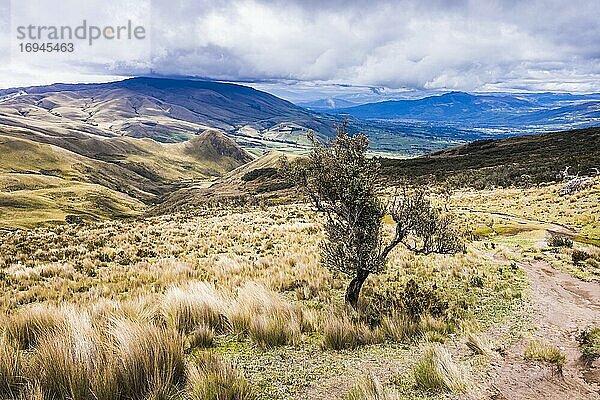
(341, 182)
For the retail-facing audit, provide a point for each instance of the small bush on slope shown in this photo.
(589, 343)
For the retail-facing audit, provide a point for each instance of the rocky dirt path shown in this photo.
(562, 307)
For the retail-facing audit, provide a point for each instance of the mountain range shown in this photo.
(507, 113)
(114, 149)
(167, 110)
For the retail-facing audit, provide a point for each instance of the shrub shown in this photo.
(540, 351)
(414, 300)
(558, 240)
(579, 256)
(420, 299)
(211, 378)
(436, 371)
(589, 343)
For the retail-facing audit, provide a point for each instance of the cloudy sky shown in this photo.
(295, 47)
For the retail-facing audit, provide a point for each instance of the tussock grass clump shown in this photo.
(434, 337)
(252, 300)
(266, 316)
(64, 366)
(185, 309)
(538, 350)
(212, 378)
(589, 343)
(118, 358)
(149, 359)
(398, 327)
(479, 344)
(142, 310)
(25, 327)
(11, 369)
(277, 329)
(436, 371)
(203, 336)
(340, 332)
(371, 388)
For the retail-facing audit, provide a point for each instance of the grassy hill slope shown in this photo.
(502, 162)
(100, 177)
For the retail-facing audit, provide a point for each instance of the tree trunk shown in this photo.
(354, 287)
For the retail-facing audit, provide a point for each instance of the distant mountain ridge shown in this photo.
(167, 110)
(488, 110)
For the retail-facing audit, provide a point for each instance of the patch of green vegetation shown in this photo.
(589, 344)
(590, 240)
(32, 208)
(538, 350)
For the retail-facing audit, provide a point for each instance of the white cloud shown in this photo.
(462, 45)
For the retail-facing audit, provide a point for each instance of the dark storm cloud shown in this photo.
(422, 45)
(469, 45)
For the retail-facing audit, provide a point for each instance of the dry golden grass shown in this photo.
(437, 371)
(542, 203)
(137, 295)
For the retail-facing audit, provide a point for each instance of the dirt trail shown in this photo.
(562, 306)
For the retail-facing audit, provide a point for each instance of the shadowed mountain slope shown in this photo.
(516, 160)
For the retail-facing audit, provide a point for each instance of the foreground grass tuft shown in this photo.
(211, 378)
(339, 333)
(371, 388)
(538, 350)
(11, 369)
(187, 309)
(436, 371)
(25, 328)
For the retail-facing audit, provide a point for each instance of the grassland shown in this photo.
(42, 183)
(232, 302)
(260, 264)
